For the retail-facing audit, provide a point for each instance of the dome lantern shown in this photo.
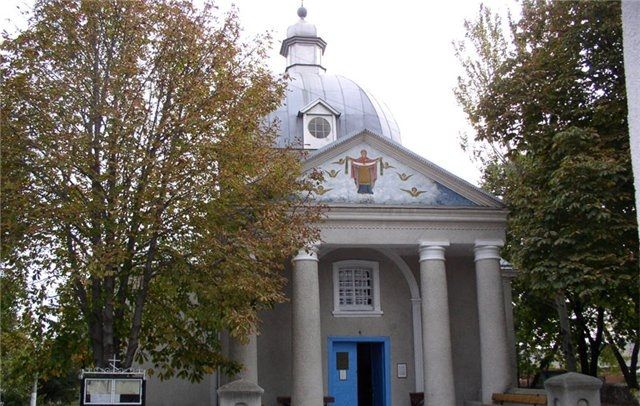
(319, 108)
(302, 47)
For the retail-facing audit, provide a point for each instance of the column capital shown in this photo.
(309, 253)
(432, 250)
(508, 272)
(487, 249)
(484, 243)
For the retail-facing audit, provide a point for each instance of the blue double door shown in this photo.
(358, 372)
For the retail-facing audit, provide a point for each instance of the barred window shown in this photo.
(356, 288)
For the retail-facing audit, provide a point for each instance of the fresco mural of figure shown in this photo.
(364, 171)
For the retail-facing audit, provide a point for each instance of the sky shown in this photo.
(400, 51)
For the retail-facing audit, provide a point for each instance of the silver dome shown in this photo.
(358, 109)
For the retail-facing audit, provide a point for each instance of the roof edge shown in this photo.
(314, 103)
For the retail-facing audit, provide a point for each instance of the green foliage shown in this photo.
(550, 120)
(144, 208)
(536, 337)
(16, 346)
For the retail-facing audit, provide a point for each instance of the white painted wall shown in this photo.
(631, 38)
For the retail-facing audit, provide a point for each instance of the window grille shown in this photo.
(319, 127)
(355, 291)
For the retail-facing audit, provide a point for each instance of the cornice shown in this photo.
(284, 48)
(416, 214)
(359, 226)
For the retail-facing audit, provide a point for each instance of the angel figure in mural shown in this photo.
(414, 192)
(364, 171)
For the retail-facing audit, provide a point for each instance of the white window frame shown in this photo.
(318, 108)
(315, 143)
(112, 393)
(375, 310)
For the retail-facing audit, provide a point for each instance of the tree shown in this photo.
(143, 203)
(16, 345)
(552, 114)
(536, 332)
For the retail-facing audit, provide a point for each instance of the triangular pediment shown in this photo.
(318, 106)
(366, 168)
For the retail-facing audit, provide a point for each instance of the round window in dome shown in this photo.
(319, 127)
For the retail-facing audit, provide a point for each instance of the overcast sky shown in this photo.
(400, 51)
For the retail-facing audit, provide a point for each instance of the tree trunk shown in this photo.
(565, 331)
(581, 333)
(136, 323)
(107, 320)
(95, 325)
(633, 381)
(589, 348)
(596, 345)
(627, 370)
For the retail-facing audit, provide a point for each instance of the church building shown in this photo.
(404, 293)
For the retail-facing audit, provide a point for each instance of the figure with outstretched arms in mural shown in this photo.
(364, 171)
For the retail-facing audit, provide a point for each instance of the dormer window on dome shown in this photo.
(319, 121)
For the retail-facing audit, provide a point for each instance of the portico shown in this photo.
(474, 233)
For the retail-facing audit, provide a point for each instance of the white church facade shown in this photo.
(404, 293)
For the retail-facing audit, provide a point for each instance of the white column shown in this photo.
(34, 392)
(306, 338)
(247, 355)
(416, 316)
(508, 274)
(494, 352)
(439, 389)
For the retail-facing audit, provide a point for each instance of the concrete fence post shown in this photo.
(572, 389)
(240, 393)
